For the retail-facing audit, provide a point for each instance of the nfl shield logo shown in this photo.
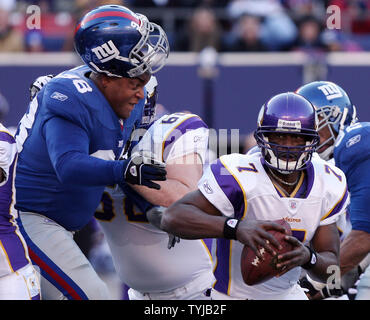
(293, 205)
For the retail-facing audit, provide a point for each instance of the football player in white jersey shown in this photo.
(138, 248)
(283, 180)
(18, 278)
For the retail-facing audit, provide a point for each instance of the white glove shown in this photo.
(37, 85)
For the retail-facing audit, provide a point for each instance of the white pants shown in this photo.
(295, 293)
(22, 284)
(196, 289)
(363, 287)
(65, 271)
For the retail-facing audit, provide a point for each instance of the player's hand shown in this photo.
(154, 215)
(172, 240)
(141, 170)
(37, 85)
(253, 233)
(316, 291)
(294, 258)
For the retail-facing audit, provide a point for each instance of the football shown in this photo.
(255, 270)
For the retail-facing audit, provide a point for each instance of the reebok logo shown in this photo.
(59, 96)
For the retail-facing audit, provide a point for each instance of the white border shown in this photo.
(192, 59)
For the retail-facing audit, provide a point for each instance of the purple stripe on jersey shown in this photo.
(301, 193)
(310, 178)
(192, 123)
(4, 136)
(6, 199)
(338, 206)
(125, 289)
(36, 297)
(303, 189)
(222, 271)
(281, 195)
(230, 187)
(15, 250)
(208, 243)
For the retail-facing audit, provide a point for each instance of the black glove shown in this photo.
(315, 293)
(172, 240)
(352, 290)
(141, 170)
(37, 85)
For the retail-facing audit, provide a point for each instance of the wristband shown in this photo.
(230, 226)
(312, 261)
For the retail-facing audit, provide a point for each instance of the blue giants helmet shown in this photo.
(287, 113)
(334, 109)
(114, 40)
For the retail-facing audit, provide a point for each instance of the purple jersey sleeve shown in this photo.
(222, 189)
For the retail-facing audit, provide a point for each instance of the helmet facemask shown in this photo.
(149, 111)
(333, 118)
(329, 116)
(117, 42)
(151, 52)
(286, 159)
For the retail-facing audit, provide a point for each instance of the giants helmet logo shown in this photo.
(331, 91)
(106, 52)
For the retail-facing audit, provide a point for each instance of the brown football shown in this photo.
(255, 270)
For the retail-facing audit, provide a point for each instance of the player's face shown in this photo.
(124, 93)
(287, 140)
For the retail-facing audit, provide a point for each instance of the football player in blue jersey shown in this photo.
(72, 137)
(347, 141)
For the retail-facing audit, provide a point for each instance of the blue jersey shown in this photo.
(64, 141)
(352, 155)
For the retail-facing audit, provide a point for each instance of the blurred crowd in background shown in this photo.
(227, 26)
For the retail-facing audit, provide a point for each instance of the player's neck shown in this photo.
(286, 181)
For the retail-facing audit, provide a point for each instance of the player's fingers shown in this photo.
(287, 256)
(294, 241)
(270, 225)
(263, 243)
(150, 177)
(283, 271)
(288, 264)
(150, 174)
(271, 239)
(154, 170)
(253, 247)
(151, 184)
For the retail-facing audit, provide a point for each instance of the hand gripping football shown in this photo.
(255, 270)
